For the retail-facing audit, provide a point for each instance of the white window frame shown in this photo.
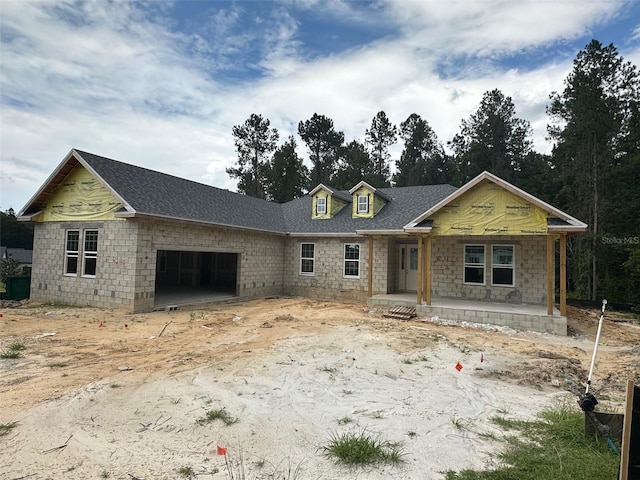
(321, 205)
(307, 258)
(88, 254)
(363, 206)
(474, 265)
(357, 260)
(71, 253)
(510, 266)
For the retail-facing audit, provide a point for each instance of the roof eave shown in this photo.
(30, 217)
(417, 229)
(380, 232)
(567, 228)
(142, 215)
(325, 235)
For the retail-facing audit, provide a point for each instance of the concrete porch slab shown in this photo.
(516, 316)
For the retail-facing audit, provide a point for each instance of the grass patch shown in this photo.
(58, 365)
(356, 449)
(330, 370)
(552, 446)
(5, 428)
(219, 414)
(13, 350)
(186, 471)
(344, 420)
(8, 354)
(16, 347)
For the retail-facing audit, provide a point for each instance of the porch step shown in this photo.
(400, 312)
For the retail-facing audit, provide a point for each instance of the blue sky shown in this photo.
(161, 84)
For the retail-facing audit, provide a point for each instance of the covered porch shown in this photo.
(516, 316)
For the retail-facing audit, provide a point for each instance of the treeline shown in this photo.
(593, 172)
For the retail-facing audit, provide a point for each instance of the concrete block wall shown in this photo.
(555, 324)
(126, 261)
(328, 280)
(260, 256)
(114, 283)
(530, 270)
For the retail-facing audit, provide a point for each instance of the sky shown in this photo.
(161, 84)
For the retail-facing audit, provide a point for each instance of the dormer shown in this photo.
(367, 201)
(327, 201)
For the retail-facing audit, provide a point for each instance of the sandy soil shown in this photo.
(105, 394)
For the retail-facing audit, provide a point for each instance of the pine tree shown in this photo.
(423, 160)
(595, 132)
(287, 176)
(254, 141)
(379, 137)
(324, 144)
(492, 139)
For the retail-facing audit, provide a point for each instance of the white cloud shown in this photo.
(121, 81)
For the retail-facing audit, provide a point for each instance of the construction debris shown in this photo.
(400, 312)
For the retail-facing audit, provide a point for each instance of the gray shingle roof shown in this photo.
(148, 192)
(21, 255)
(405, 205)
(155, 193)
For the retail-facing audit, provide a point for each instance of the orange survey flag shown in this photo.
(458, 366)
(222, 450)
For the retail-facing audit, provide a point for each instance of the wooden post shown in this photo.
(370, 284)
(563, 274)
(427, 276)
(550, 296)
(626, 432)
(419, 273)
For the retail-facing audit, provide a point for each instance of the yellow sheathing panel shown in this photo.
(322, 194)
(80, 197)
(489, 209)
(378, 203)
(334, 205)
(362, 191)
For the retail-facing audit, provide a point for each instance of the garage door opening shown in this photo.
(189, 278)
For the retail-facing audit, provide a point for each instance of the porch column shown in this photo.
(427, 270)
(550, 296)
(420, 269)
(370, 284)
(563, 274)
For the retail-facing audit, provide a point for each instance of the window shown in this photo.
(363, 204)
(474, 264)
(502, 265)
(307, 258)
(352, 260)
(321, 205)
(90, 253)
(71, 252)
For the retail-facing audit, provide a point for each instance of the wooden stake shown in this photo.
(165, 326)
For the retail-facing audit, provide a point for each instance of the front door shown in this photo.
(408, 273)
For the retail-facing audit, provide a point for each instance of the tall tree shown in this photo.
(354, 166)
(423, 160)
(379, 137)
(492, 139)
(254, 141)
(287, 176)
(15, 234)
(594, 126)
(324, 144)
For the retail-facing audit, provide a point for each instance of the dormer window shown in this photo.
(363, 203)
(321, 205)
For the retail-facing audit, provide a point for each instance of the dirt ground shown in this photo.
(106, 394)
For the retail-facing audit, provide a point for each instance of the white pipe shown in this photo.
(595, 347)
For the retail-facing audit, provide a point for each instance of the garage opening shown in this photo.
(189, 278)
